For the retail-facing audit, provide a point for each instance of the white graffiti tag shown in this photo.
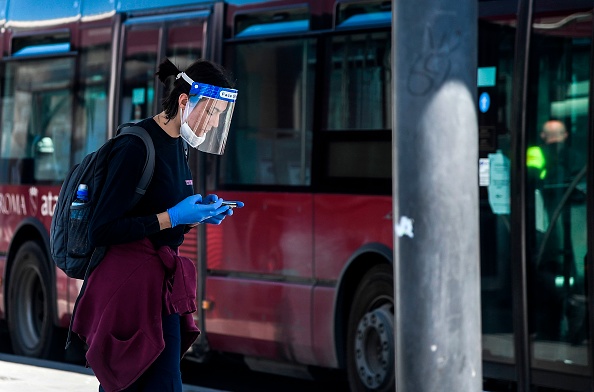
(405, 227)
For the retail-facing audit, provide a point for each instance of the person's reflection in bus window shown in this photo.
(558, 164)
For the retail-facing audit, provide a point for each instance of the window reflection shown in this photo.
(184, 43)
(360, 80)
(556, 165)
(494, 82)
(271, 133)
(356, 141)
(36, 128)
(91, 110)
(181, 40)
(138, 84)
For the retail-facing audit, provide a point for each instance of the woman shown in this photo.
(135, 314)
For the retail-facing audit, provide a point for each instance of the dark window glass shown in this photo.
(91, 110)
(180, 40)
(494, 87)
(138, 81)
(356, 142)
(557, 135)
(36, 121)
(360, 82)
(271, 136)
(184, 43)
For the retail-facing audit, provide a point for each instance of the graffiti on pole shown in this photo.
(432, 64)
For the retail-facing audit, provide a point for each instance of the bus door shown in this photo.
(497, 35)
(146, 41)
(558, 123)
(260, 262)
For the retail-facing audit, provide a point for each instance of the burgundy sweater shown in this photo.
(119, 314)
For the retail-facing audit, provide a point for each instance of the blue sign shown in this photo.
(484, 102)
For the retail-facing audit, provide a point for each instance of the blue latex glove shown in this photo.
(191, 210)
(217, 219)
(209, 199)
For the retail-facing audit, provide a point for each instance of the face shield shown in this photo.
(207, 116)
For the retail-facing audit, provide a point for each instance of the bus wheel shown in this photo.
(30, 322)
(370, 335)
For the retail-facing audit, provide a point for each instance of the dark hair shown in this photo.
(201, 71)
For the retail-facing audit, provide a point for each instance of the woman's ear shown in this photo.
(182, 100)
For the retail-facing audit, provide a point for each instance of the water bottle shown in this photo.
(82, 195)
(78, 226)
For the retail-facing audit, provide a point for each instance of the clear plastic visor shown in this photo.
(208, 115)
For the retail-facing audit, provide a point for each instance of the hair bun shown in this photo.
(166, 70)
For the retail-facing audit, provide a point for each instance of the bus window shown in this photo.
(37, 117)
(91, 110)
(140, 65)
(178, 37)
(494, 83)
(271, 136)
(356, 141)
(557, 137)
(360, 82)
(184, 44)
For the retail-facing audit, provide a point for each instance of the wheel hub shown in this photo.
(374, 347)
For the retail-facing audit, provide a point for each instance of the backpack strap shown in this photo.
(131, 124)
(149, 165)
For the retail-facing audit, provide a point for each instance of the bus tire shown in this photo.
(30, 312)
(370, 333)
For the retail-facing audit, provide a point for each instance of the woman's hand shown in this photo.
(193, 210)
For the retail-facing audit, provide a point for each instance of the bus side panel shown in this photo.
(344, 223)
(19, 203)
(271, 235)
(323, 327)
(2, 288)
(262, 319)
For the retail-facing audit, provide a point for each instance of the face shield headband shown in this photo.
(206, 119)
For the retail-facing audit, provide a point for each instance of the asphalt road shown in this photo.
(229, 375)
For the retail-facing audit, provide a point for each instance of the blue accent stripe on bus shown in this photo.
(374, 18)
(295, 26)
(38, 50)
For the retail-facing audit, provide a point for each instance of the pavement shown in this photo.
(22, 374)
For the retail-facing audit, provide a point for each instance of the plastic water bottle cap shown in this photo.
(82, 192)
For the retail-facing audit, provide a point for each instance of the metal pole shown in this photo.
(436, 224)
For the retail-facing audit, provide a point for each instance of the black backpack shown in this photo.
(69, 244)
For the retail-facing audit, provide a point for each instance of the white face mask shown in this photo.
(190, 137)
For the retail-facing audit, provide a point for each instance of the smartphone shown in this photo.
(231, 204)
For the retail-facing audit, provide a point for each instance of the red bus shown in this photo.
(302, 276)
